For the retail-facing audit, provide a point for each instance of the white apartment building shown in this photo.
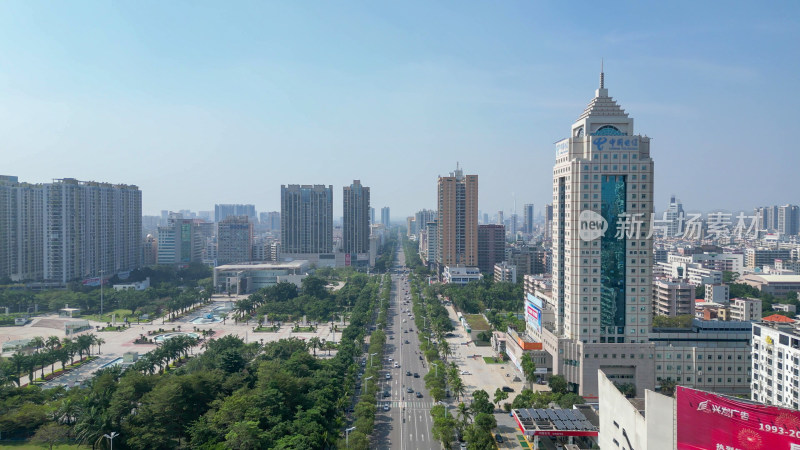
(505, 272)
(745, 309)
(776, 363)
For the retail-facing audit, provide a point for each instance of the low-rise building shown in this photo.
(718, 293)
(712, 355)
(505, 272)
(247, 278)
(777, 285)
(745, 309)
(460, 275)
(672, 297)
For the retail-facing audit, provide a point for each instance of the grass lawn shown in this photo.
(28, 446)
(492, 360)
(477, 322)
(267, 330)
(121, 314)
(303, 329)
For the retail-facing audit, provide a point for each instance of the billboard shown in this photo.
(710, 421)
(533, 313)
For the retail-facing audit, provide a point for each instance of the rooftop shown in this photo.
(295, 265)
(778, 318)
(775, 278)
(553, 422)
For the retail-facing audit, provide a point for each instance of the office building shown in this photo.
(242, 279)
(527, 223)
(710, 355)
(306, 219)
(788, 220)
(548, 222)
(776, 362)
(223, 211)
(271, 221)
(234, 240)
(777, 285)
(457, 217)
(602, 282)
(672, 297)
(150, 250)
(385, 219)
(355, 228)
(760, 257)
(491, 246)
(411, 226)
(179, 241)
(674, 216)
(371, 216)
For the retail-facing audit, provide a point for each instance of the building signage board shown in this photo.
(533, 314)
(710, 421)
(606, 143)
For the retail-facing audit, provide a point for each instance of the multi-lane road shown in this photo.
(403, 420)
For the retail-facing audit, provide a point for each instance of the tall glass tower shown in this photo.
(602, 246)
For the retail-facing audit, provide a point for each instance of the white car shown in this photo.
(390, 360)
(465, 372)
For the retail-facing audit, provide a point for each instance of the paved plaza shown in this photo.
(119, 342)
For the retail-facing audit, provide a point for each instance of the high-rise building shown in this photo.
(385, 219)
(602, 279)
(68, 229)
(527, 226)
(548, 222)
(90, 228)
(179, 241)
(355, 226)
(673, 297)
(422, 217)
(306, 218)
(491, 246)
(234, 240)
(788, 220)
(223, 211)
(457, 228)
(767, 218)
(371, 216)
(501, 220)
(674, 217)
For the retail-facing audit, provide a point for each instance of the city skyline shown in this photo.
(156, 101)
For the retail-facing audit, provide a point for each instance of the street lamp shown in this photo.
(436, 372)
(101, 294)
(370, 358)
(347, 436)
(446, 407)
(111, 437)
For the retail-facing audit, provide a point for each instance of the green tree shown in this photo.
(558, 384)
(481, 403)
(244, 435)
(667, 387)
(499, 396)
(485, 421)
(443, 426)
(51, 434)
(529, 369)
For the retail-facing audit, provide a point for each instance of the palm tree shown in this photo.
(71, 347)
(37, 342)
(314, 343)
(98, 341)
(464, 414)
(18, 360)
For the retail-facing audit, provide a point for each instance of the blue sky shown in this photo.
(222, 102)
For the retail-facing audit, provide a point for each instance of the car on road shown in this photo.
(389, 376)
(409, 390)
(420, 357)
(419, 394)
(408, 373)
(463, 446)
(465, 372)
(396, 365)
(416, 375)
(508, 389)
(405, 331)
(387, 394)
(498, 438)
(386, 407)
(390, 360)
(406, 341)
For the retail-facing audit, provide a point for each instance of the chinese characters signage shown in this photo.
(710, 421)
(605, 143)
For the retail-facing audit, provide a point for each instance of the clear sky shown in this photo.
(200, 103)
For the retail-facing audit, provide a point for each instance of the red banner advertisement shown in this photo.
(712, 422)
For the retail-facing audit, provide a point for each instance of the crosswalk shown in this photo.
(407, 404)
